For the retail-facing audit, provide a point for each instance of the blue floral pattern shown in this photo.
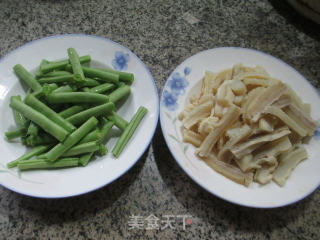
(121, 60)
(317, 132)
(170, 100)
(176, 86)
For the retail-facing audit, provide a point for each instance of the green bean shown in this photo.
(128, 132)
(102, 88)
(107, 125)
(43, 164)
(123, 76)
(61, 64)
(12, 134)
(119, 93)
(99, 110)
(102, 75)
(85, 89)
(45, 123)
(48, 112)
(84, 159)
(77, 97)
(103, 150)
(75, 64)
(82, 148)
(48, 88)
(88, 82)
(39, 139)
(57, 79)
(56, 74)
(65, 88)
(33, 129)
(118, 121)
(71, 111)
(38, 72)
(20, 120)
(33, 152)
(94, 135)
(71, 140)
(24, 75)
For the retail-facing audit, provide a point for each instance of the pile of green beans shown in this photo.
(68, 111)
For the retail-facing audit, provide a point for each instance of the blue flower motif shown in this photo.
(178, 84)
(121, 61)
(317, 132)
(170, 100)
(187, 71)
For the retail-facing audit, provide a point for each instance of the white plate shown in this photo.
(103, 170)
(185, 78)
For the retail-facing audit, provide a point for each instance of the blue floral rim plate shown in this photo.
(186, 79)
(103, 170)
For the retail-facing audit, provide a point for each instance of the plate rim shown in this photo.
(189, 173)
(157, 112)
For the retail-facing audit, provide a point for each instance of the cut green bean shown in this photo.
(48, 88)
(12, 134)
(71, 111)
(128, 132)
(65, 88)
(99, 110)
(24, 75)
(103, 150)
(76, 65)
(39, 139)
(58, 79)
(56, 74)
(33, 152)
(123, 76)
(88, 82)
(20, 120)
(77, 97)
(94, 135)
(43, 164)
(85, 158)
(106, 126)
(102, 88)
(102, 75)
(48, 112)
(58, 65)
(82, 148)
(38, 72)
(118, 121)
(85, 89)
(71, 140)
(45, 123)
(33, 129)
(119, 93)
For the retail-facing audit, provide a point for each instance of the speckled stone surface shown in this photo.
(162, 34)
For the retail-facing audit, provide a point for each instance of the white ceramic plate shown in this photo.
(103, 170)
(185, 79)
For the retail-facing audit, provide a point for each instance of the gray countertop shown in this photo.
(162, 34)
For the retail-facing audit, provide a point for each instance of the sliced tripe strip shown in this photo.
(263, 175)
(263, 82)
(283, 101)
(236, 70)
(295, 99)
(259, 156)
(238, 88)
(266, 124)
(208, 124)
(227, 120)
(250, 97)
(238, 100)
(242, 149)
(266, 98)
(224, 94)
(228, 170)
(304, 120)
(199, 112)
(185, 111)
(209, 82)
(288, 161)
(218, 110)
(192, 137)
(276, 111)
(235, 135)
